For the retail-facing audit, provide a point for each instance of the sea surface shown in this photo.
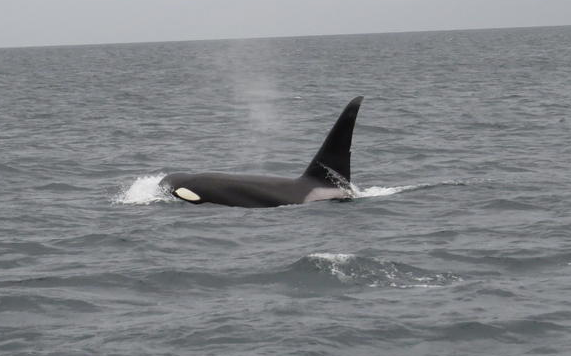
(457, 242)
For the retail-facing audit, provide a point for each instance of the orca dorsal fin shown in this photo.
(335, 152)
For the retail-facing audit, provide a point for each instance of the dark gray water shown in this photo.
(459, 242)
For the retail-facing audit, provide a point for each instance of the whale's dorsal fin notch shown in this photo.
(335, 152)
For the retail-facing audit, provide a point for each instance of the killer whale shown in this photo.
(326, 177)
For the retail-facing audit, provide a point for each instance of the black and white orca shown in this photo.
(327, 176)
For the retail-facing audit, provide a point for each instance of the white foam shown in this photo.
(143, 191)
(333, 257)
(383, 191)
(335, 263)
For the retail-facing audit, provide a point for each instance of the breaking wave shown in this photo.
(356, 270)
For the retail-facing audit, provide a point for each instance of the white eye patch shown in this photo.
(187, 194)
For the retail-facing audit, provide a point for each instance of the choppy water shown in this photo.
(458, 243)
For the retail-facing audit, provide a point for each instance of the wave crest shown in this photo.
(353, 269)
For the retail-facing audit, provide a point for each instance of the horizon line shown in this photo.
(277, 37)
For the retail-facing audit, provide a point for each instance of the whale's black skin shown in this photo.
(327, 176)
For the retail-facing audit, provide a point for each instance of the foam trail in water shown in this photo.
(143, 191)
(383, 191)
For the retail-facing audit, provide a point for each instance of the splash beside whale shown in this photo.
(328, 176)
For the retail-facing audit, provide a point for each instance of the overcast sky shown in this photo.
(57, 22)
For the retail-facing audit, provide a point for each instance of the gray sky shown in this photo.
(57, 22)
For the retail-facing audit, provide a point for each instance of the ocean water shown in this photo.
(458, 241)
